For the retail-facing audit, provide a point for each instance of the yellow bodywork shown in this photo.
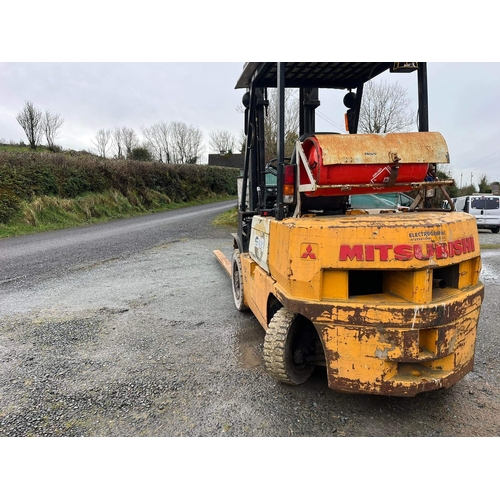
(395, 298)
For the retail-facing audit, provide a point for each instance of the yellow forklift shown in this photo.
(388, 302)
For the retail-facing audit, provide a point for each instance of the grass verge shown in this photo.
(46, 213)
(229, 218)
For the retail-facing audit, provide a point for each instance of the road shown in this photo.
(129, 329)
(35, 256)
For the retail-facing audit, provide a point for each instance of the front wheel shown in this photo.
(237, 282)
(291, 347)
(495, 230)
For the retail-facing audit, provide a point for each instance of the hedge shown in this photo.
(26, 175)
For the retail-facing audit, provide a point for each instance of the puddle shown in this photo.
(249, 339)
(249, 357)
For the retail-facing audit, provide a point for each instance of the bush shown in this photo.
(140, 154)
(9, 205)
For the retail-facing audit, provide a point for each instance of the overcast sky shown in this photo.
(464, 97)
(91, 96)
(464, 103)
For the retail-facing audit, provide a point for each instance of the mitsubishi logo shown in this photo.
(308, 251)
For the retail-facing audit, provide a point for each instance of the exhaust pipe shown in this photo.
(438, 283)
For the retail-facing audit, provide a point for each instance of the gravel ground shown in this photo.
(151, 345)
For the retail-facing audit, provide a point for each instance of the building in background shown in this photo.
(227, 160)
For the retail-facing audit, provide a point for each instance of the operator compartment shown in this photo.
(335, 164)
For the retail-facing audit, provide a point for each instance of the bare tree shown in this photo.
(174, 142)
(130, 140)
(242, 142)
(384, 109)
(117, 141)
(31, 119)
(124, 140)
(152, 142)
(195, 145)
(222, 142)
(158, 140)
(102, 142)
(51, 124)
(186, 143)
(292, 119)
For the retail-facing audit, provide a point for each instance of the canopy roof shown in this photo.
(335, 75)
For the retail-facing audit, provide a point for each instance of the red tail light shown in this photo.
(289, 180)
(289, 184)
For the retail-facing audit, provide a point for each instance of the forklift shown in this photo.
(387, 302)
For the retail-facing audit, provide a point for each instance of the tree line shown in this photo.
(165, 142)
(384, 109)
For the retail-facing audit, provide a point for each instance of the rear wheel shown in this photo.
(237, 281)
(291, 347)
(495, 230)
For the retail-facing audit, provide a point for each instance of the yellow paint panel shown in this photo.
(428, 339)
(469, 272)
(356, 356)
(335, 284)
(399, 283)
(257, 286)
(413, 286)
(422, 286)
(448, 363)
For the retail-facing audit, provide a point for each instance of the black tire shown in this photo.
(289, 339)
(237, 282)
(495, 230)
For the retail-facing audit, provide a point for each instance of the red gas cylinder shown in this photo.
(366, 163)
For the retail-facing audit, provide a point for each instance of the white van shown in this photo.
(485, 207)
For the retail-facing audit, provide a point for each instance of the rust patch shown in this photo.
(394, 388)
(405, 316)
(401, 350)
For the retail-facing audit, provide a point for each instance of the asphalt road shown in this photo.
(129, 329)
(28, 258)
